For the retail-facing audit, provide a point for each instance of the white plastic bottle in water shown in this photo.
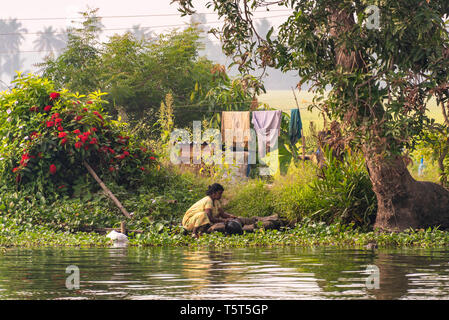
(421, 167)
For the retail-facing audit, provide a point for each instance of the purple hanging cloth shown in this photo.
(267, 125)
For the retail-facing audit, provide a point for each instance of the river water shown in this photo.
(248, 273)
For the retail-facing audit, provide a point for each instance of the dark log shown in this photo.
(248, 228)
(217, 227)
(252, 223)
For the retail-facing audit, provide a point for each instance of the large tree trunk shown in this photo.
(404, 202)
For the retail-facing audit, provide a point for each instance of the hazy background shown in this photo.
(30, 30)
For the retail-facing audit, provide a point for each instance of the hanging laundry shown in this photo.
(295, 126)
(267, 125)
(238, 123)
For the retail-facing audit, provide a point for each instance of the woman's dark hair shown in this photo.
(216, 187)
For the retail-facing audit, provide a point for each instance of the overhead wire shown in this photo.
(130, 16)
(128, 28)
(108, 29)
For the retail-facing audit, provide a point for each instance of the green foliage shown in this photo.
(226, 94)
(306, 234)
(345, 192)
(77, 68)
(137, 73)
(434, 145)
(342, 192)
(162, 199)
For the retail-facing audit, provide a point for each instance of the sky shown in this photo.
(117, 16)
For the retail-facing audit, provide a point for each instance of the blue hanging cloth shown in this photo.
(295, 126)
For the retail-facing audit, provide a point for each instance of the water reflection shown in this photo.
(250, 273)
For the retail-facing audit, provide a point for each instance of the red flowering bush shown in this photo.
(48, 134)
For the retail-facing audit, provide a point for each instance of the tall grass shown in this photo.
(340, 192)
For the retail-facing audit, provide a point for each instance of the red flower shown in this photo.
(62, 134)
(52, 169)
(111, 169)
(15, 169)
(93, 141)
(122, 156)
(78, 118)
(89, 102)
(85, 109)
(34, 108)
(25, 158)
(98, 115)
(60, 128)
(55, 115)
(54, 95)
(94, 129)
(64, 141)
(126, 153)
(142, 168)
(78, 145)
(86, 147)
(60, 187)
(83, 138)
(111, 150)
(50, 124)
(87, 133)
(152, 158)
(58, 121)
(47, 108)
(77, 131)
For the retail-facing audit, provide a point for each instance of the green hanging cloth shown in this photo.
(295, 126)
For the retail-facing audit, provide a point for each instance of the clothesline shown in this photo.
(206, 104)
(180, 109)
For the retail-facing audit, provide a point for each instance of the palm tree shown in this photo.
(141, 33)
(48, 40)
(11, 37)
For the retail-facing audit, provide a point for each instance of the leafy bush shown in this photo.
(162, 200)
(341, 193)
(47, 136)
(344, 194)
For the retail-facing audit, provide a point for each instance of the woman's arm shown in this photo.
(225, 215)
(213, 219)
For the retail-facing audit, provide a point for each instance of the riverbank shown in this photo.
(307, 234)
